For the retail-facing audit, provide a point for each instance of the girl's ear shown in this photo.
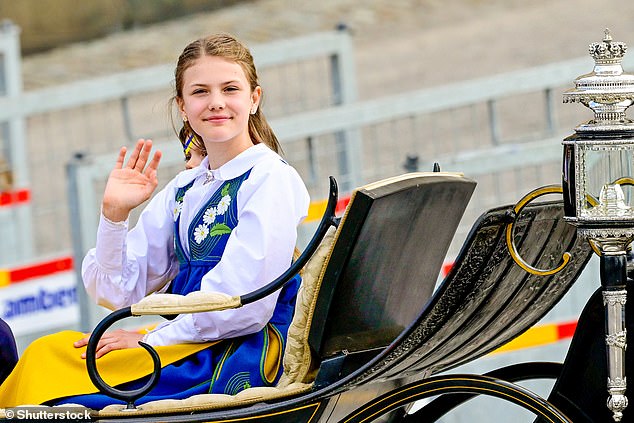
(256, 95)
(181, 106)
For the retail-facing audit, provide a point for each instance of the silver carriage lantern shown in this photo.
(599, 157)
(597, 182)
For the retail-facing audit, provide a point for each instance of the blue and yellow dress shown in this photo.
(224, 366)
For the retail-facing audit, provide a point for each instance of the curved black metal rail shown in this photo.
(440, 406)
(327, 220)
(128, 396)
(449, 384)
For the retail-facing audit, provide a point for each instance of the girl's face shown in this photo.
(195, 157)
(217, 101)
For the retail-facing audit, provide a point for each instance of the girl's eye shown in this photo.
(231, 88)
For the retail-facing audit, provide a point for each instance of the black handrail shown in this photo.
(128, 396)
(327, 220)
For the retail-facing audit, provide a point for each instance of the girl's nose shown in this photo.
(216, 102)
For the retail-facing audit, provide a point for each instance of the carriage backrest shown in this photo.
(386, 259)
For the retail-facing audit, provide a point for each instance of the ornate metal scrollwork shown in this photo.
(616, 343)
(549, 189)
(618, 340)
(91, 356)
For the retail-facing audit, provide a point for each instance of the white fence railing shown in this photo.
(504, 131)
(96, 116)
(15, 224)
(45, 128)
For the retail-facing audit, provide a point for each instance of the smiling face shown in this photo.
(217, 101)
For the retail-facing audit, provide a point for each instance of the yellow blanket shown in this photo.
(51, 367)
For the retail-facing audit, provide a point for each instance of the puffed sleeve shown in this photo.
(118, 272)
(272, 202)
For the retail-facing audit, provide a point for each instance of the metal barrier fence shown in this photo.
(503, 131)
(95, 116)
(464, 127)
(323, 131)
(15, 223)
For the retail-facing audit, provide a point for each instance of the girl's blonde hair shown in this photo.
(228, 47)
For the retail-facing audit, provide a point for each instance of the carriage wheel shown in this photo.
(450, 384)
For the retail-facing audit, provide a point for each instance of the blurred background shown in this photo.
(49, 24)
(358, 90)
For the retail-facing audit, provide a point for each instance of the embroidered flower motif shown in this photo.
(223, 205)
(200, 233)
(177, 209)
(209, 216)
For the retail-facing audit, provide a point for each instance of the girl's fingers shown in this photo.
(82, 342)
(103, 347)
(112, 341)
(120, 158)
(154, 164)
(143, 156)
(134, 156)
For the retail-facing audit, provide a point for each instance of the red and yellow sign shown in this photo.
(37, 270)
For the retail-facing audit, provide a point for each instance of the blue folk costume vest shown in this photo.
(231, 365)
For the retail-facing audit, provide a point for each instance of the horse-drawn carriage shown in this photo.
(372, 334)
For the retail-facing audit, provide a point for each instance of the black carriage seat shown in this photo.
(486, 300)
(364, 284)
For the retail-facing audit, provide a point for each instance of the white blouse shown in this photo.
(126, 266)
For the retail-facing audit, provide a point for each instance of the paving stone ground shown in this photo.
(400, 44)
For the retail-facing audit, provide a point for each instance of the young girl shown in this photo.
(228, 225)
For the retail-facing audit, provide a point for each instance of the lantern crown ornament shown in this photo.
(607, 90)
(608, 52)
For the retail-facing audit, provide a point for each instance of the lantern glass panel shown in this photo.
(606, 182)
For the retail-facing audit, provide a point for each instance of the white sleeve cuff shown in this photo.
(123, 223)
(110, 245)
(178, 331)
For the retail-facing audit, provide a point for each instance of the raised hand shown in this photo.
(131, 184)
